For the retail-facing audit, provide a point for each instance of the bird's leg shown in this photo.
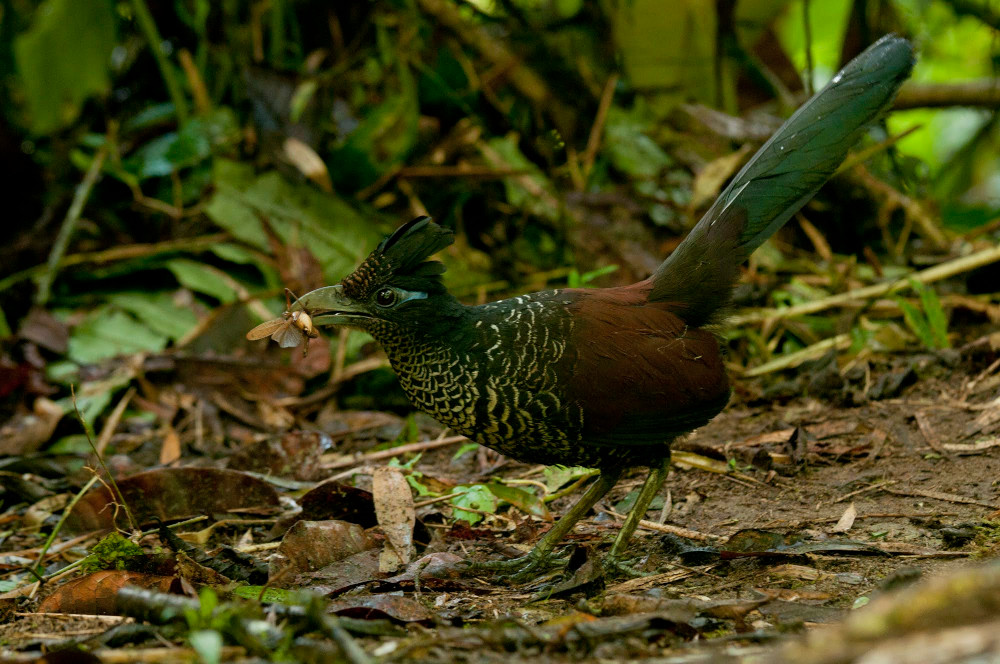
(521, 568)
(654, 481)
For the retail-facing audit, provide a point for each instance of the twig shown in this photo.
(665, 528)
(111, 478)
(942, 496)
(597, 130)
(807, 32)
(80, 197)
(112, 422)
(395, 451)
(928, 432)
(59, 525)
(927, 276)
(984, 93)
(116, 253)
(796, 358)
(873, 487)
(155, 42)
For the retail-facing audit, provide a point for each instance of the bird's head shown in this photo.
(395, 286)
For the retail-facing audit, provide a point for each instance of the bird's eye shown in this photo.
(386, 297)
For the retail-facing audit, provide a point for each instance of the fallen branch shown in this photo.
(395, 451)
(927, 276)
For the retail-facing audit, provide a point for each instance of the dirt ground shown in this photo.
(779, 519)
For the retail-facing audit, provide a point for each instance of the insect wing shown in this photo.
(266, 329)
(288, 336)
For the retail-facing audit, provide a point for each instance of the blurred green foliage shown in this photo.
(311, 126)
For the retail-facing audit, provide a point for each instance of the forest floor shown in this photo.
(780, 519)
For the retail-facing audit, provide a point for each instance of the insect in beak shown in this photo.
(290, 330)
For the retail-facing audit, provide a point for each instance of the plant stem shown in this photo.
(152, 34)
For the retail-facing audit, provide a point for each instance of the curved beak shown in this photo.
(329, 306)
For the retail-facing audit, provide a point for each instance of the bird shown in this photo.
(605, 377)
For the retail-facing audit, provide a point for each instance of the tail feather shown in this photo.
(785, 173)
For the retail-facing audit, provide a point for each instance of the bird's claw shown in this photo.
(614, 566)
(516, 570)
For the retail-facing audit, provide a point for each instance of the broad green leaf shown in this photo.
(558, 476)
(337, 234)
(477, 497)
(197, 140)
(629, 148)
(159, 312)
(208, 644)
(201, 279)
(522, 499)
(109, 333)
(533, 191)
(64, 59)
(382, 140)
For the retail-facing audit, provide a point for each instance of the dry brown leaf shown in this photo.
(846, 519)
(312, 545)
(166, 494)
(396, 516)
(96, 594)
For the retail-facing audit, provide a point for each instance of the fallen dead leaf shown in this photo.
(396, 516)
(96, 594)
(166, 494)
(846, 521)
(311, 545)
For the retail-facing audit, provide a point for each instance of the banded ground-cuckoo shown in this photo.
(608, 377)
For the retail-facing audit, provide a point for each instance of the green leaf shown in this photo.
(201, 279)
(208, 644)
(64, 59)
(464, 449)
(522, 499)
(109, 333)
(628, 147)
(5, 330)
(197, 140)
(383, 139)
(532, 192)
(477, 497)
(916, 322)
(558, 476)
(936, 318)
(159, 312)
(333, 230)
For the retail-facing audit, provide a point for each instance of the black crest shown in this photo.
(401, 259)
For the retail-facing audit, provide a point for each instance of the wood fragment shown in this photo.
(395, 451)
(873, 487)
(930, 275)
(940, 495)
(666, 528)
(927, 431)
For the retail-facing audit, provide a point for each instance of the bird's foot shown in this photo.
(517, 570)
(614, 566)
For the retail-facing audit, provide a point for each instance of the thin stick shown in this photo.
(80, 197)
(796, 358)
(873, 487)
(665, 528)
(155, 42)
(116, 253)
(111, 478)
(597, 130)
(112, 422)
(62, 520)
(927, 276)
(395, 451)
